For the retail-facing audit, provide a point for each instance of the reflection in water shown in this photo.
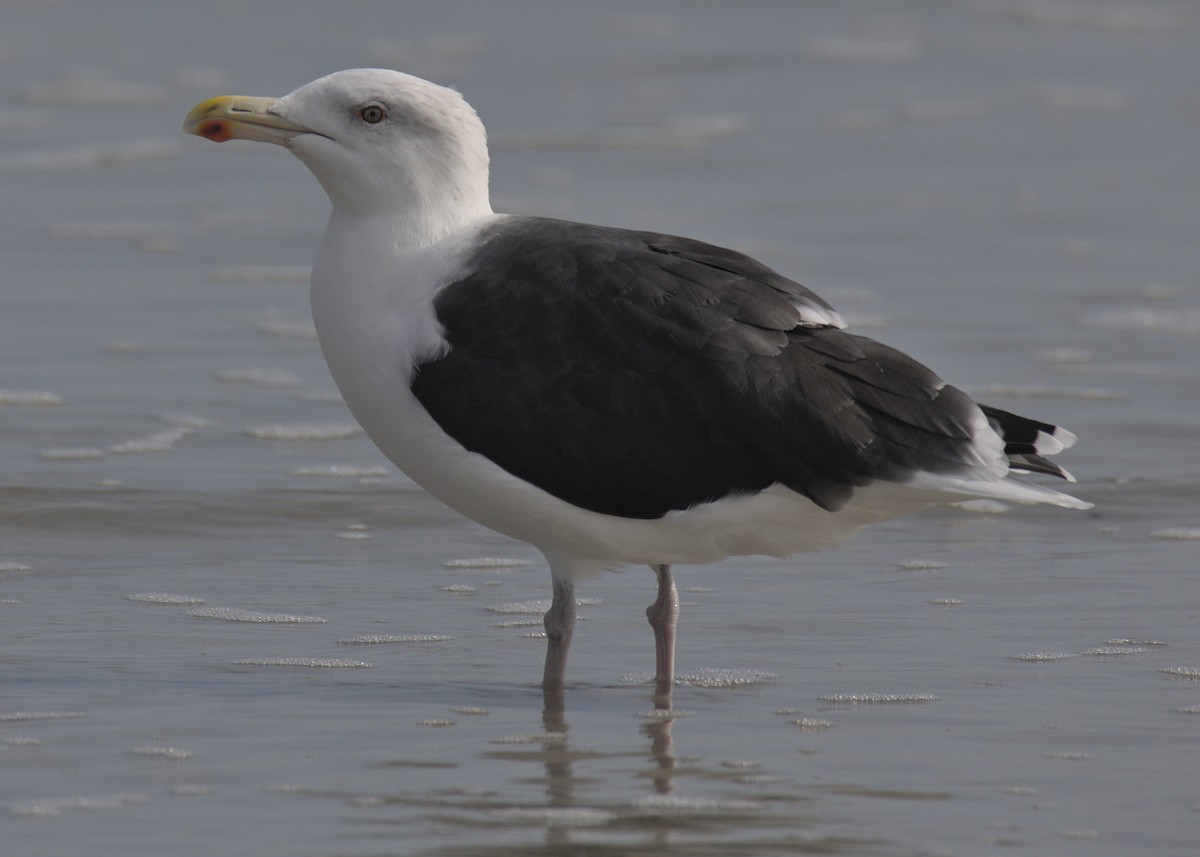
(575, 820)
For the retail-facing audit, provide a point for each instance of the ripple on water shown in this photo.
(29, 397)
(25, 716)
(1146, 319)
(714, 678)
(1042, 657)
(260, 377)
(1114, 651)
(56, 806)
(303, 431)
(316, 663)
(1182, 672)
(70, 454)
(236, 614)
(537, 606)
(164, 598)
(532, 738)
(162, 752)
(1181, 534)
(878, 698)
(485, 562)
(923, 564)
(553, 816)
(343, 471)
(1124, 641)
(159, 441)
(383, 639)
(681, 805)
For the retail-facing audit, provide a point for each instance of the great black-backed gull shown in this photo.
(612, 397)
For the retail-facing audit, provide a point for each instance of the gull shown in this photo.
(613, 397)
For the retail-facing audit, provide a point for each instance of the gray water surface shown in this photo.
(230, 627)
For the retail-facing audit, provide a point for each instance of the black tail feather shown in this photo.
(1027, 442)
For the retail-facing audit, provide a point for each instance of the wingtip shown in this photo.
(1064, 437)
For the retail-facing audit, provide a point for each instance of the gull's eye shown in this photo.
(372, 113)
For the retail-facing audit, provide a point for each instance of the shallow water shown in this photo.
(230, 627)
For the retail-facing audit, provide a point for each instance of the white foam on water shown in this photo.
(923, 564)
(25, 716)
(1182, 672)
(10, 566)
(878, 698)
(71, 454)
(191, 421)
(303, 431)
(553, 816)
(317, 663)
(711, 678)
(485, 562)
(1114, 651)
(382, 639)
(159, 441)
(681, 805)
(342, 471)
(236, 614)
(1145, 320)
(812, 724)
(161, 751)
(1042, 657)
(29, 397)
(1181, 534)
(532, 738)
(56, 806)
(537, 606)
(164, 598)
(260, 377)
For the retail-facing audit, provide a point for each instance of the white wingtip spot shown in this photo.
(1065, 439)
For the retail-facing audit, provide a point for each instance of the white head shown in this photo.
(380, 142)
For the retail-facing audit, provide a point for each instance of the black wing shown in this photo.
(632, 374)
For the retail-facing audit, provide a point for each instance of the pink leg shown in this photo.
(560, 624)
(662, 615)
